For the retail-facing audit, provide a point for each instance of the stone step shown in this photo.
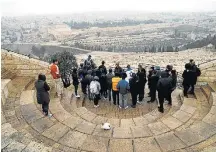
(208, 73)
(213, 86)
(30, 85)
(206, 79)
(207, 91)
(199, 94)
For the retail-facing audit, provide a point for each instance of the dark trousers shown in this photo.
(141, 92)
(96, 98)
(153, 94)
(45, 108)
(134, 98)
(115, 95)
(161, 97)
(169, 97)
(186, 87)
(192, 88)
(76, 89)
(104, 93)
(109, 94)
(141, 96)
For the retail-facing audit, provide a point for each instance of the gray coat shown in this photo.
(42, 89)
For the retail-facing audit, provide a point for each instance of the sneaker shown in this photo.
(77, 96)
(126, 107)
(95, 106)
(49, 115)
(149, 101)
(120, 107)
(139, 102)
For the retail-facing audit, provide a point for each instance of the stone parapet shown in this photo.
(23, 65)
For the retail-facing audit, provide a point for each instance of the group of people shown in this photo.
(115, 84)
(190, 75)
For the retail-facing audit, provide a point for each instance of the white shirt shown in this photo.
(129, 74)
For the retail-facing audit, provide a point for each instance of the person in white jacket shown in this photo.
(129, 72)
(95, 90)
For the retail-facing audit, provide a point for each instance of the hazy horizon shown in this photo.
(48, 7)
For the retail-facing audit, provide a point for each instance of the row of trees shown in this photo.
(114, 48)
(201, 43)
(126, 22)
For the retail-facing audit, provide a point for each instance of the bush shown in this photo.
(67, 62)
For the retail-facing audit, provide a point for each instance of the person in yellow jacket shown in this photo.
(115, 91)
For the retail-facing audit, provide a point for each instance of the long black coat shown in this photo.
(134, 85)
(141, 82)
(42, 89)
(188, 77)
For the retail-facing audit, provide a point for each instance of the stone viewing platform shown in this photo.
(188, 126)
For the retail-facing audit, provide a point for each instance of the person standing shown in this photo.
(84, 84)
(153, 87)
(57, 77)
(123, 88)
(118, 69)
(80, 71)
(129, 72)
(164, 86)
(102, 68)
(109, 83)
(75, 81)
(141, 84)
(195, 73)
(95, 90)
(88, 62)
(115, 92)
(173, 78)
(43, 97)
(103, 83)
(187, 78)
(133, 83)
(90, 78)
(149, 80)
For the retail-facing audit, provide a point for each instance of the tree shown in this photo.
(67, 62)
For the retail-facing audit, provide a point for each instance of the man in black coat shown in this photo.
(141, 84)
(153, 87)
(149, 80)
(102, 68)
(133, 82)
(118, 69)
(164, 86)
(188, 77)
(42, 89)
(195, 73)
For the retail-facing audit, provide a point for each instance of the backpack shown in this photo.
(198, 72)
(93, 87)
(66, 82)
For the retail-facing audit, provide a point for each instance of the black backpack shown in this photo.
(66, 82)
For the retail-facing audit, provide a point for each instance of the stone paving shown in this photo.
(188, 126)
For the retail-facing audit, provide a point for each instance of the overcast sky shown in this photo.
(35, 7)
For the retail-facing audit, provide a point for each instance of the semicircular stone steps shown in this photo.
(186, 127)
